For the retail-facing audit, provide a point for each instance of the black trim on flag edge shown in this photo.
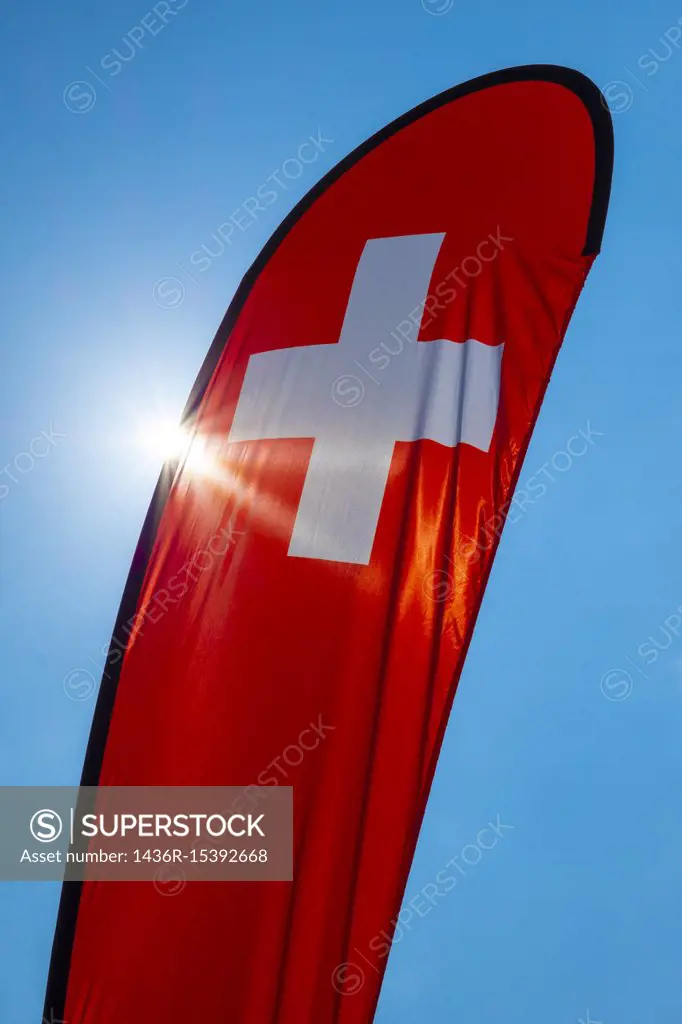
(598, 110)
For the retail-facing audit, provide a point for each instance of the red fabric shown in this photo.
(263, 644)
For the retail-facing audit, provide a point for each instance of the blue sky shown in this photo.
(105, 188)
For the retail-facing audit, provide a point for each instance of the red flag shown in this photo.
(308, 579)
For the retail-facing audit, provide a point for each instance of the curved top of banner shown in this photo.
(595, 107)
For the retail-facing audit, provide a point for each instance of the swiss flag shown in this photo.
(308, 578)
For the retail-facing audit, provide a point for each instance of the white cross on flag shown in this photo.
(308, 578)
(443, 391)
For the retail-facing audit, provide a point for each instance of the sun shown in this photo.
(163, 439)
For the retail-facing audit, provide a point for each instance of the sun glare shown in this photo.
(163, 439)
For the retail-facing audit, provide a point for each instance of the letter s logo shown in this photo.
(46, 826)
